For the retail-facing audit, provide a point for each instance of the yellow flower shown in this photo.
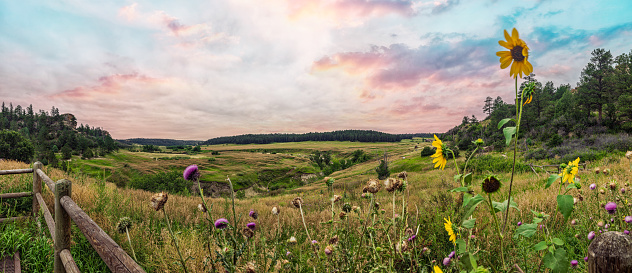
(448, 228)
(441, 154)
(437, 269)
(568, 174)
(528, 100)
(518, 54)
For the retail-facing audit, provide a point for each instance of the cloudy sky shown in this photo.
(202, 69)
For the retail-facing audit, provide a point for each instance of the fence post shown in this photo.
(610, 252)
(37, 187)
(62, 223)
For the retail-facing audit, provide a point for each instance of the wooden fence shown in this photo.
(59, 227)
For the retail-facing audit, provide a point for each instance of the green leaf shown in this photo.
(557, 262)
(540, 246)
(469, 223)
(503, 121)
(575, 185)
(558, 241)
(461, 246)
(526, 230)
(565, 204)
(468, 262)
(472, 205)
(537, 220)
(509, 132)
(467, 179)
(466, 199)
(457, 178)
(503, 206)
(551, 179)
(459, 189)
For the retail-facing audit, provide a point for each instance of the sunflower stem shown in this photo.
(513, 167)
(493, 212)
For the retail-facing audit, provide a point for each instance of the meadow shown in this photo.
(403, 230)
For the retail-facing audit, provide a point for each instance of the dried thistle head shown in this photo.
(250, 267)
(297, 202)
(628, 155)
(292, 240)
(202, 208)
(329, 250)
(342, 215)
(402, 175)
(346, 207)
(392, 184)
(159, 200)
(409, 232)
(124, 224)
(355, 208)
(373, 186)
(254, 214)
(275, 210)
(248, 233)
(337, 198)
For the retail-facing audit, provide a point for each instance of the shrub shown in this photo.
(427, 151)
(15, 146)
(382, 170)
(554, 141)
(495, 164)
(171, 181)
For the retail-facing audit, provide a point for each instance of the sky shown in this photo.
(202, 69)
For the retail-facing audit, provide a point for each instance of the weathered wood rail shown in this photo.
(66, 210)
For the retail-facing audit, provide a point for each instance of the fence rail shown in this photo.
(66, 210)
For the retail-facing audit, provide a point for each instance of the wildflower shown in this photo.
(251, 225)
(628, 219)
(412, 238)
(574, 222)
(253, 214)
(591, 235)
(448, 228)
(519, 224)
(627, 232)
(518, 54)
(191, 172)
(334, 240)
(473, 237)
(297, 202)
(275, 210)
(611, 207)
(446, 261)
(124, 224)
(329, 250)
(159, 200)
(441, 154)
(355, 209)
(597, 170)
(342, 215)
(451, 255)
(287, 254)
(602, 191)
(346, 207)
(491, 184)
(221, 223)
(425, 250)
(586, 259)
(409, 232)
(248, 232)
(568, 173)
(593, 186)
(600, 224)
(574, 263)
(372, 186)
(437, 269)
(202, 208)
(606, 171)
(613, 185)
(478, 141)
(292, 240)
(622, 190)
(314, 242)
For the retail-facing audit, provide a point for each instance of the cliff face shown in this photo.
(69, 120)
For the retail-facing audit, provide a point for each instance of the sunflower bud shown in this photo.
(491, 184)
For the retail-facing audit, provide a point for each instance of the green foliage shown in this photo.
(382, 170)
(554, 141)
(495, 164)
(427, 151)
(15, 146)
(171, 181)
(150, 148)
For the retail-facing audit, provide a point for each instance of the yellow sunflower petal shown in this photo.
(508, 38)
(525, 51)
(515, 36)
(437, 269)
(504, 63)
(529, 67)
(513, 69)
(505, 44)
(503, 53)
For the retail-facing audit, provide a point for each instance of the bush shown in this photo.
(554, 141)
(15, 146)
(427, 151)
(382, 170)
(494, 164)
(171, 181)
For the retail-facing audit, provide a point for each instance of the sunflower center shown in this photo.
(516, 53)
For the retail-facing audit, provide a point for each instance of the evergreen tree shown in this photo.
(488, 107)
(595, 82)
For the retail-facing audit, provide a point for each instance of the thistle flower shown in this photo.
(330, 182)
(600, 223)
(574, 263)
(124, 224)
(402, 175)
(425, 250)
(491, 184)
(412, 238)
(574, 222)
(591, 235)
(191, 173)
(392, 184)
(613, 185)
(342, 215)
(251, 225)
(593, 186)
(622, 190)
(346, 207)
(451, 255)
(248, 232)
(159, 200)
(611, 207)
(314, 242)
(446, 261)
(337, 198)
(253, 214)
(519, 224)
(329, 250)
(597, 170)
(275, 210)
(334, 240)
(297, 202)
(628, 155)
(202, 208)
(409, 232)
(627, 232)
(221, 223)
(372, 186)
(628, 219)
(586, 259)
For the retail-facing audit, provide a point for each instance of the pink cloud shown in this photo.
(345, 9)
(108, 85)
(128, 12)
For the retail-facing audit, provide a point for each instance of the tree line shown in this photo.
(601, 103)
(344, 135)
(51, 132)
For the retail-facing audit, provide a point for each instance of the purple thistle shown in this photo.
(221, 223)
(611, 207)
(574, 263)
(519, 224)
(191, 172)
(251, 225)
(628, 219)
(412, 238)
(314, 242)
(627, 232)
(451, 255)
(622, 190)
(593, 186)
(253, 214)
(586, 259)
(446, 261)
(591, 235)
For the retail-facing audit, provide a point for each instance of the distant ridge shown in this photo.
(344, 135)
(158, 141)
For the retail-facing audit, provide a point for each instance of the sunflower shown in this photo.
(518, 54)
(448, 228)
(441, 154)
(437, 269)
(568, 174)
